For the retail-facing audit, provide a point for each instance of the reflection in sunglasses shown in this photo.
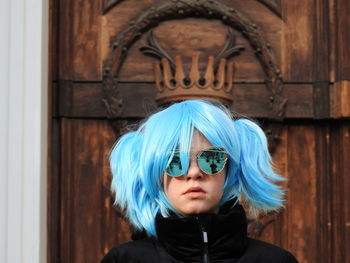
(210, 161)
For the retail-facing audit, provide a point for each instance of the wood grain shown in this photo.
(346, 186)
(321, 55)
(332, 39)
(340, 182)
(88, 220)
(273, 232)
(297, 40)
(301, 219)
(324, 191)
(65, 39)
(79, 38)
(342, 25)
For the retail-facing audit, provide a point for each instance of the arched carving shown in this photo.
(209, 9)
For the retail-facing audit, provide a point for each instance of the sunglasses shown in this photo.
(210, 161)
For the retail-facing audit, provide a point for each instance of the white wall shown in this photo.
(23, 130)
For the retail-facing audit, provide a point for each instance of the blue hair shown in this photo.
(139, 158)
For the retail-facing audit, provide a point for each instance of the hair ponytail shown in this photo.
(122, 159)
(255, 173)
(127, 185)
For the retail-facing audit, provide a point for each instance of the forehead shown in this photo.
(199, 142)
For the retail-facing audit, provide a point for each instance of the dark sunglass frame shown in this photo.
(219, 149)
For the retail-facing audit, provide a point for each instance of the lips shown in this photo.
(194, 190)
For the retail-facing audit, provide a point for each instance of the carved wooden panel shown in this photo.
(309, 40)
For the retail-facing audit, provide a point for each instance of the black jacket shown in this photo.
(201, 238)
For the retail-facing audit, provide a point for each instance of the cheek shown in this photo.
(219, 179)
(171, 186)
(166, 183)
(218, 184)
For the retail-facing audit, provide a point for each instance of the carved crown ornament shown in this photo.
(173, 84)
(176, 87)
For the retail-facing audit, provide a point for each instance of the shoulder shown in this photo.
(143, 250)
(266, 252)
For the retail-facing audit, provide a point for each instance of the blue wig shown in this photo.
(139, 158)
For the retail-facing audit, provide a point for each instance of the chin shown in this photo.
(197, 210)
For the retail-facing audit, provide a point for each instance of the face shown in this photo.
(198, 192)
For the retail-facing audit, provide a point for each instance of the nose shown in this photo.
(194, 172)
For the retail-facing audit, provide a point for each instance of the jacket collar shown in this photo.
(226, 233)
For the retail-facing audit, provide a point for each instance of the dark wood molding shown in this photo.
(84, 100)
(321, 100)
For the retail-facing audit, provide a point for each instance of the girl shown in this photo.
(180, 178)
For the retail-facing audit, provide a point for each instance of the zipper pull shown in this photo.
(205, 236)
(205, 241)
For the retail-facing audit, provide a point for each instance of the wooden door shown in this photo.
(293, 76)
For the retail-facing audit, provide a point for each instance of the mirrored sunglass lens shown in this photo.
(175, 168)
(212, 161)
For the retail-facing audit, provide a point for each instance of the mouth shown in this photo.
(195, 190)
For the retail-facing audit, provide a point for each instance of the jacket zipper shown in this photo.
(205, 241)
